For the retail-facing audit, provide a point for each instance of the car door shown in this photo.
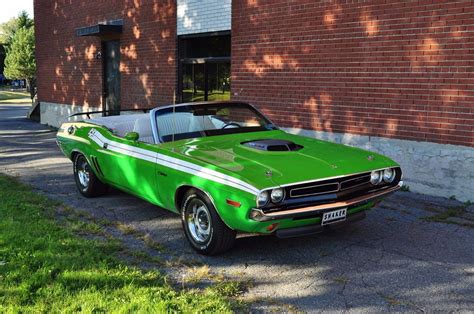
(110, 162)
(138, 171)
(126, 164)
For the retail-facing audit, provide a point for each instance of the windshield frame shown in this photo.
(167, 109)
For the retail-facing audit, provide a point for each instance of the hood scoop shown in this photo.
(273, 145)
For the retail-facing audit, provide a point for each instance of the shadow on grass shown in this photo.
(44, 265)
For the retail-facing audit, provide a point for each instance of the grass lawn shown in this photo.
(45, 266)
(188, 95)
(7, 96)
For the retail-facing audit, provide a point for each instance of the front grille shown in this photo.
(328, 186)
(354, 182)
(315, 190)
(329, 191)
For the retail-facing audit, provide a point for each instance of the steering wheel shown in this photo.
(231, 123)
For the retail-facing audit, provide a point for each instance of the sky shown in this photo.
(11, 8)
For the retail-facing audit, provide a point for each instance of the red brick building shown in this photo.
(392, 76)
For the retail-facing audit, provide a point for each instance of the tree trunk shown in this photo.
(31, 87)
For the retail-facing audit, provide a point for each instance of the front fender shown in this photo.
(236, 218)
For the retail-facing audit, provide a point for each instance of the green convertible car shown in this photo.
(225, 168)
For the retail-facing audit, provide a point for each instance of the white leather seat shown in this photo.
(183, 122)
(143, 128)
(121, 125)
(124, 127)
(174, 123)
(199, 123)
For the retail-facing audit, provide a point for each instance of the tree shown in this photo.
(24, 21)
(20, 63)
(9, 28)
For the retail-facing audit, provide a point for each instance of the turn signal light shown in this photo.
(233, 203)
(272, 227)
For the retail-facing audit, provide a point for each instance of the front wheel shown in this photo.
(204, 229)
(86, 181)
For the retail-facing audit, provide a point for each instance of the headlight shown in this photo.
(388, 175)
(262, 199)
(277, 195)
(375, 177)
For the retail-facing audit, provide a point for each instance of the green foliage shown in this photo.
(24, 21)
(405, 188)
(18, 37)
(9, 28)
(46, 267)
(445, 215)
(20, 60)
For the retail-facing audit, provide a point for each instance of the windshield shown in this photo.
(192, 121)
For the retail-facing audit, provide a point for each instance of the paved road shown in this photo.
(391, 261)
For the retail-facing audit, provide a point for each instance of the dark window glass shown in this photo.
(205, 47)
(204, 73)
(218, 81)
(193, 82)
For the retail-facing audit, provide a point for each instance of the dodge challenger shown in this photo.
(226, 169)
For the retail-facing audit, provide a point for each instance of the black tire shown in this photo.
(210, 238)
(86, 181)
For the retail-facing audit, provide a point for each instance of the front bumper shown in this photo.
(317, 228)
(258, 215)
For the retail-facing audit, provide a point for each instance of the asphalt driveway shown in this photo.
(395, 260)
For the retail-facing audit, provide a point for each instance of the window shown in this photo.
(204, 67)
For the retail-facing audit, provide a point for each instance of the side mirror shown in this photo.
(132, 136)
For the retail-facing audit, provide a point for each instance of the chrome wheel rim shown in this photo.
(199, 221)
(83, 173)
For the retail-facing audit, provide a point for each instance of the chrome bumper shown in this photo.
(258, 215)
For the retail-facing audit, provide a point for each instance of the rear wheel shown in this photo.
(204, 229)
(86, 180)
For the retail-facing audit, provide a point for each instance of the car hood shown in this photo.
(315, 160)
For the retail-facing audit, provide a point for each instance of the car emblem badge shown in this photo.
(334, 166)
(370, 157)
(268, 173)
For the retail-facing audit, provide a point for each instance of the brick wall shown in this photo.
(401, 69)
(198, 16)
(67, 71)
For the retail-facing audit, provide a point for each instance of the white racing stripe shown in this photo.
(171, 162)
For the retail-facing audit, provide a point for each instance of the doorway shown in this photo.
(111, 62)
